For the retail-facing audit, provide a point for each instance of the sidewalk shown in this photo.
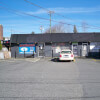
(21, 59)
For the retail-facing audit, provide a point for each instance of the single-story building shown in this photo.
(48, 45)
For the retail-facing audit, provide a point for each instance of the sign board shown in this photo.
(27, 48)
(58, 49)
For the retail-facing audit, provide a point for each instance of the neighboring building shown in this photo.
(82, 44)
(1, 32)
(7, 38)
(6, 42)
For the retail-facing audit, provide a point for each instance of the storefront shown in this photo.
(46, 45)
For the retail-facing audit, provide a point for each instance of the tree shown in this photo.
(32, 32)
(58, 28)
(0, 45)
(75, 29)
(3, 38)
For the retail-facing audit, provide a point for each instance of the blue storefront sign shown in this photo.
(27, 50)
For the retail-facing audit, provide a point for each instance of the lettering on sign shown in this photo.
(27, 45)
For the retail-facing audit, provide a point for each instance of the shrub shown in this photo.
(0, 46)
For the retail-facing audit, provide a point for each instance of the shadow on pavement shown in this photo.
(98, 58)
(57, 60)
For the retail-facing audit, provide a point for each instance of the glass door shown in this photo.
(41, 50)
(75, 49)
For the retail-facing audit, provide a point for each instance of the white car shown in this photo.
(66, 55)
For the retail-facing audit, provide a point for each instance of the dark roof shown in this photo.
(55, 37)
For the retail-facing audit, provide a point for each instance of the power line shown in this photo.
(18, 31)
(36, 5)
(43, 8)
(50, 12)
(58, 14)
(14, 11)
(93, 25)
(20, 12)
(54, 12)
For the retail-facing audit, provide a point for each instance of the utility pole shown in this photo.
(50, 13)
(11, 30)
(84, 26)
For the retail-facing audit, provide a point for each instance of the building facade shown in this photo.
(48, 45)
(1, 32)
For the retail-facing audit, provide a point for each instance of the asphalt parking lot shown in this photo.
(45, 79)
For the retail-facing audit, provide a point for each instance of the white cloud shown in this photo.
(77, 10)
(67, 10)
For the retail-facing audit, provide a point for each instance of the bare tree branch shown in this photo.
(58, 28)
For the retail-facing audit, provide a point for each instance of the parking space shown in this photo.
(46, 79)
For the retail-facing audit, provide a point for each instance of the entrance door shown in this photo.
(75, 49)
(84, 49)
(41, 50)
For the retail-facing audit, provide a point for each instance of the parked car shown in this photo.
(66, 55)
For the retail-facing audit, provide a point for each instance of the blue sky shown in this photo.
(75, 12)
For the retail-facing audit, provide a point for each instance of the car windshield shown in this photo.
(66, 52)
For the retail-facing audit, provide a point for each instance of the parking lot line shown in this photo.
(74, 60)
(95, 60)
